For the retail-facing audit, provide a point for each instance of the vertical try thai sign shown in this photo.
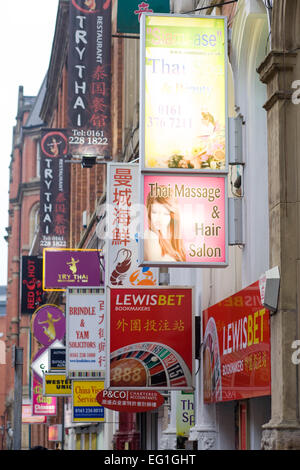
(183, 93)
(55, 190)
(89, 78)
(123, 226)
(86, 333)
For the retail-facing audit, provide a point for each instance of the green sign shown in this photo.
(129, 13)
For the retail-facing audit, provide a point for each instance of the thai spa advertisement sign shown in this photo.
(64, 268)
(236, 348)
(123, 210)
(183, 93)
(185, 220)
(151, 337)
(86, 333)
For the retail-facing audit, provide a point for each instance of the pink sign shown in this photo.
(41, 406)
(185, 220)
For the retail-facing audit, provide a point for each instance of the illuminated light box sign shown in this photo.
(122, 268)
(185, 220)
(86, 333)
(64, 268)
(236, 348)
(151, 338)
(183, 93)
(85, 407)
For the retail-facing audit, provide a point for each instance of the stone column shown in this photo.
(278, 71)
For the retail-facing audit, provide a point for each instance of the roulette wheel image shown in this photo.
(212, 380)
(151, 365)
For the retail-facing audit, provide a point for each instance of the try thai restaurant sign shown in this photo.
(236, 348)
(151, 338)
(183, 93)
(185, 220)
(72, 268)
(89, 78)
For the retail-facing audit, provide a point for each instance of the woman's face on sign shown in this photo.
(160, 217)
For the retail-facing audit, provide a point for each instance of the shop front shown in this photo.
(236, 367)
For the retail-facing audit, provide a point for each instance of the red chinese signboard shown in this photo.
(130, 401)
(236, 348)
(151, 338)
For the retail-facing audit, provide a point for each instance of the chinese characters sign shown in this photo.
(55, 190)
(183, 93)
(72, 268)
(151, 338)
(123, 219)
(185, 220)
(130, 401)
(86, 333)
(129, 13)
(31, 290)
(89, 78)
(236, 348)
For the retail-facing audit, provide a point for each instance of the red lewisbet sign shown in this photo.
(130, 401)
(236, 348)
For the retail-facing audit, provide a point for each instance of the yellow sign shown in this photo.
(85, 406)
(56, 385)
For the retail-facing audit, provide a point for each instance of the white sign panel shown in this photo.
(121, 266)
(86, 333)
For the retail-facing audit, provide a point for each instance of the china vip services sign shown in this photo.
(151, 338)
(236, 348)
(185, 220)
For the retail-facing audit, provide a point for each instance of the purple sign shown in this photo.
(48, 324)
(72, 268)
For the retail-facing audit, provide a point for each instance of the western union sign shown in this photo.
(56, 385)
